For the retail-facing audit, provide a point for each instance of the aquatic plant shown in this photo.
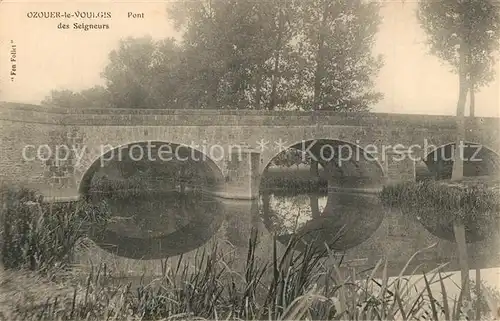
(40, 236)
(290, 285)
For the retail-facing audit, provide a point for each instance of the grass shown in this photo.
(436, 204)
(134, 186)
(461, 198)
(290, 286)
(41, 236)
(139, 183)
(287, 285)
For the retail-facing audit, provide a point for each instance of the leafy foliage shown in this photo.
(246, 55)
(95, 97)
(142, 73)
(290, 157)
(475, 23)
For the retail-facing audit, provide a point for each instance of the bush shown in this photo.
(41, 236)
(438, 204)
(138, 185)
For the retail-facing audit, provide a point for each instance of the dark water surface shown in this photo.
(159, 225)
(170, 224)
(332, 208)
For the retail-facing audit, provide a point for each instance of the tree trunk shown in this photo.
(319, 72)
(314, 169)
(472, 82)
(458, 166)
(266, 207)
(277, 51)
(478, 293)
(182, 181)
(472, 103)
(274, 86)
(258, 89)
(212, 94)
(458, 162)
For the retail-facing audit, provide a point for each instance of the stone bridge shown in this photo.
(381, 143)
(33, 137)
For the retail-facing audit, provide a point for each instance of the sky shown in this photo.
(412, 80)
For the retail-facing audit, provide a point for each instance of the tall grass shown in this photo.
(454, 199)
(131, 187)
(288, 285)
(40, 236)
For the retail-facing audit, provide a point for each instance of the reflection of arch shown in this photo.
(348, 220)
(210, 168)
(476, 230)
(358, 214)
(185, 239)
(361, 164)
(479, 160)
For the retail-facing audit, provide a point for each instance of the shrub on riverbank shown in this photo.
(437, 204)
(134, 186)
(40, 236)
(137, 186)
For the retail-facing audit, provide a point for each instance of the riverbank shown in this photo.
(215, 291)
(211, 284)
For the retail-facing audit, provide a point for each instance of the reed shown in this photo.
(290, 286)
(40, 236)
(310, 284)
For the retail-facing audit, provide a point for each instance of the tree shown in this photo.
(464, 34)
(226, 46)
(284, 84)
(481, 58)
(95, 97)
(256, 54)
(338, 37)
(62, 98)
(271, 55)
(141, 73)
(144, 73)
(200, 43)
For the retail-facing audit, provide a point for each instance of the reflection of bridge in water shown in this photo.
(168, 225)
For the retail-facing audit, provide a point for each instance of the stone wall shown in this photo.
(14, 167)
(90, 129)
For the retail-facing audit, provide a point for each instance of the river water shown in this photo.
(147, 228)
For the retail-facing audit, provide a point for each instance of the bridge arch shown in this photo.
(342, 215)
(207, 165)
(479, 160)
(361, 162)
